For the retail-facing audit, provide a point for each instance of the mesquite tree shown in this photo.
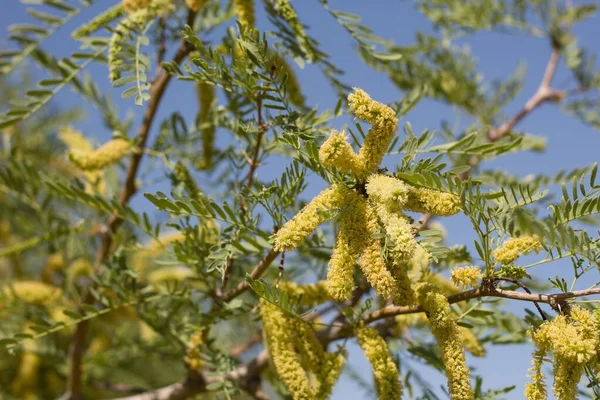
(240, 249)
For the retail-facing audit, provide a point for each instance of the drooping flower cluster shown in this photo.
(573, 342)
(279, 65)
(77, 143)
(311, 294)
(448, 336)
(466, 276)
(514, 248)
(193, 358)
(32, 292)
(292, 344)
(285, 9)
(135, 5)
(366, 213)
(107, 154)
(244, 9)
(195, 5)
(385, 371)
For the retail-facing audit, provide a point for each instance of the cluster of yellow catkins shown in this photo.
(364, 215)
(513, 248)
(573, 341)
(466, 276)
(293, 345)
(77, 143)
(107, 154)
(244, 9)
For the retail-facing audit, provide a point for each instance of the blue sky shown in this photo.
(570, 143)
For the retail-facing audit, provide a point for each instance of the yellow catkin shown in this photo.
(337, 152)
(471, 342)
(400, 231)
(385, 371)
(245, 12)
(192, 357)
(466, 276)
(54, 264)
(32, 292)
(282, 349)
(573, 342)
(195, 5)
(373, 264)
(384, 124)
(288, 13)
(169, 274)
(446, 332)
(293, 233)
(513, 248)
(109, 153)
(206, 97)
(390, 192)
(350, 243)
(77, 268)
(27, 375)
(423, 200)
(312, 294)
(326, 367)
(77, 142)
(135, 5)
(536, 389)
(279, 65)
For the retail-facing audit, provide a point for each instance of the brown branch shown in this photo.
(157, 90)
(256, 273)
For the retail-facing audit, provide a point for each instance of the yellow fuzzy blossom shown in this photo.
(77, 268)
(385, 124)
(245, 12)
(195, 5)
(446, 332)
(337, 152)
(281, 347)
(423, 200)
(536, 389)
(279, 65)
(385, 371)
(293, 233)
(206, 97)
(135, 5)
(387, 191)
(470, 341)
(513, 248)
(192, 357)
(400, 231)
(77, 142)
(573, 342)
(32, 292)
(374, 267)
(312, 294)
(466, 276)
(54, 263)
(27, 375)
(169, 274)
(109, 153)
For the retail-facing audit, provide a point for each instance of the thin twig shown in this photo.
(157, 90)
(256, 273)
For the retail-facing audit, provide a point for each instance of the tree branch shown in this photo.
(157, 90)
(256, 273)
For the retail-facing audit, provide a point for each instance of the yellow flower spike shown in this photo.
(385, 371)
(192, 357)
(135, 5)
(293, 233)
(109, 153)
(471, 342)
(27, 375)
(350, 243)
(245, 12)
(536, 389)
(374, 266)
(385, 124)
(78, 267)
(195, 5)
(288, 13)
(206, 96)
(312, 294)
(466, 276)
(566, 378)
(170, 274)
(405, 294)
(423, 200)
(32, 292)
(282, 349)
(513, 248)
(387, 191)
(54, 263)
(400, 232)
(326, 367)
(77, 142)
(337, 152)
(446, 332)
